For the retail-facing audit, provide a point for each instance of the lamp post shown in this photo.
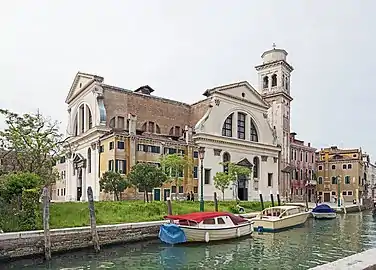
(201, 152)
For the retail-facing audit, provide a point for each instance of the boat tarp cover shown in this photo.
(323, 208)
(200, 216)
(172, 234)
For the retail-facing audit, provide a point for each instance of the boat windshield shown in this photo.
(272, 212)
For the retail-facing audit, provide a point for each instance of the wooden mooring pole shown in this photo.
(93, 221)
(261, 201)
(272, 198)
(278, 199)
(215, 202)
(169, 206)
(46, 224)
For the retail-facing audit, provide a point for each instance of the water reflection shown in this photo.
(316, 243)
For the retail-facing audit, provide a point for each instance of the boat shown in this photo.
(204, 227)
(277, 218)
(323, 211)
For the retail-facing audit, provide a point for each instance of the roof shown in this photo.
(200, 216)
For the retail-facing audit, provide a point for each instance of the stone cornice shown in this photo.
(274, 64)
(219, 140)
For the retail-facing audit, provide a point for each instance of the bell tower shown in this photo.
(274, 84)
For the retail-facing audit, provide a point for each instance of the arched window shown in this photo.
(256, 167)
(310, 175)
(112, 122)
(241, 125)
(283, 80)
(274, 80)
(89, 160)
(265, 81)
(227, 126)
(254, 135)
(89, 117)
(301, 174)
(157, 129)
(287, 84)
(306, 174)
(226, 158)
(296, 175)
(82, 119)
(75, 126)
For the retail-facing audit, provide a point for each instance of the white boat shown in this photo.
(204, 227)
(324, 211)
(278, 218)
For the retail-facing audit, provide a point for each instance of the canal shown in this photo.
(316, 243)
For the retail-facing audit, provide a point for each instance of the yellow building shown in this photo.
(120, 151)
(343, 167)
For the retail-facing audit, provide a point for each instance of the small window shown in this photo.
(333, 193)
(344, 166)
(173, 189)
(207, 176)
(347, 179)
(320, 168)
(120, 145)
(320, 192)
(220, 221)
(270, 179)
(320, 180)
(111, 145)
(334, 180)
(181, 189)
(195, 154)
(349, 193)
(210, 221)
(344, 193)
(195, 189)
(101, 149)
(349, 166)
(195, 172)
(333, 167)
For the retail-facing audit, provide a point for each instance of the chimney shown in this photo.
(146, 90)
(188, 134)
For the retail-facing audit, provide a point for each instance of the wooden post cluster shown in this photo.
(93, 221)
(46, 224)
(272, 198)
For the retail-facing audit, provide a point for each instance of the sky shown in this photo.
(182, 48)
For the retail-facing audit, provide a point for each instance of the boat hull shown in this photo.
(279, 224)
(194, 234)
(324, 215)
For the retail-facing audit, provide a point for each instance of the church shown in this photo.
(113, 128)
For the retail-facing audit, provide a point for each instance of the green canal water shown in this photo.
(316, 243)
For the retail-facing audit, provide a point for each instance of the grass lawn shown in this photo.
(75, 214)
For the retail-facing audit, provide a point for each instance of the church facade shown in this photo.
(112, 128)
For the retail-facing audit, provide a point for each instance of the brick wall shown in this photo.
(22, 244)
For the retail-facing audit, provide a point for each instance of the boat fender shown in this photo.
(207, 237)
(238, 232)
(260, 229)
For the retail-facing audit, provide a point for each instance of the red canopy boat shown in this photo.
(200, 216)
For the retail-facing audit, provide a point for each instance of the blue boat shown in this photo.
(324, 211)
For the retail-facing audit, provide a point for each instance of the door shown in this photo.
(157, 194)
(309, 195)
(166, 193)
(242, 189)
(327, 197)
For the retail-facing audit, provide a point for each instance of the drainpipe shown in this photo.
(99, 158)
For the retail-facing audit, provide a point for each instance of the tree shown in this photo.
(113, 182)
(146, 176)
(36, 142)
(12, 185)
(222, 180)
(174, 166)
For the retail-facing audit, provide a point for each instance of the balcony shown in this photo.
(312, 182)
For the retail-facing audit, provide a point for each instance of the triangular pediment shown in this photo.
(80, 83)
(241, 91)
(245, 162)
(78, 158)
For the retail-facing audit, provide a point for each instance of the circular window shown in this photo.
(243, 94)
